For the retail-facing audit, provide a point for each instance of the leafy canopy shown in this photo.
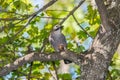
(17, 39)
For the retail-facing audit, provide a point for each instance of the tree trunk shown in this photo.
(96, 62)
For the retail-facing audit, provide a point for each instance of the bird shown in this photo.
(58, 40)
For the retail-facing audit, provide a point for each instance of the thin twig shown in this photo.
(55, 68)
(44, 7)
(11, 19)
(103, 14)
(81, 26)
(29, 75)
(43, 45)
(22, 19)
(109, 75)
(31, 64)
(71, 12)
(50, 72)
(5, 11)
(58, 10)
(51, 18)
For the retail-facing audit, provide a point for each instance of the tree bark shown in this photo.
(96, 62)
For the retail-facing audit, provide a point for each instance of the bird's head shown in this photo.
(57, 27)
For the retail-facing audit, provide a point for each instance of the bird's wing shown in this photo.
(63, 39)
(53, 42)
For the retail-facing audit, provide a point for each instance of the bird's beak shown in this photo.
(61, 27)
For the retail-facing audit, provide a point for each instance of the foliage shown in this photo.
(115, 67)
(14, 42)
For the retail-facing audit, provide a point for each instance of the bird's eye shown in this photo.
(56, 28)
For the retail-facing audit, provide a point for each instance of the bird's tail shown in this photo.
(63, 48)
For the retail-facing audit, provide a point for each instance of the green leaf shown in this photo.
(3, 40)
(17, 4)
(65, 76)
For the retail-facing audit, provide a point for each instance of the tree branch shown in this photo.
(11, 19)
(32, 16)
(103, 14)
(54, 77)
(40, 57)
(71, 12)
(15, 18)
(30, 71)
(81, 27)
(5, 11)
(55, 69)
